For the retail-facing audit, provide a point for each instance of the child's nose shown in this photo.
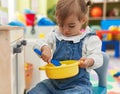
(65, 29)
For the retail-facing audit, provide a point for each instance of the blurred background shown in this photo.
(38, 19)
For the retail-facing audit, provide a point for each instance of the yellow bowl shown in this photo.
(68, 68)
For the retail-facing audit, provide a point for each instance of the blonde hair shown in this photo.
(65, 8)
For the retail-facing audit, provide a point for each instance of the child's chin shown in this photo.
(68, 35)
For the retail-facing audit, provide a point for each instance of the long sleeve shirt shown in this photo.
(91, 46)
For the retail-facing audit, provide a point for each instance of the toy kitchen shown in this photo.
(12, 76)
(39, 32)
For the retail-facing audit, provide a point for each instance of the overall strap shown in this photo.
(88, 35)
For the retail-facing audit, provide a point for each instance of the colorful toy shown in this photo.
(68, 68)
(30, 19)
(116, 74)
(20, 17)
(96, 12)
(44, 21)
(113, 28)
(54, 62)
(16, 23)
(117, 77)
(118, 28)
(28, 74)
(41, 35)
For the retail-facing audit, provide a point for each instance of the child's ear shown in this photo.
(84, 19)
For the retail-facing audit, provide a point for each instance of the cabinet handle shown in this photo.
(19, 45)
(24, 42)
(17, 50)
(33, 30)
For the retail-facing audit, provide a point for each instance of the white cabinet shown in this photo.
(30, 56)
(38, 31)
(12, 77)
(33, 58)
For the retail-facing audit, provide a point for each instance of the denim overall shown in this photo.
(79, 84)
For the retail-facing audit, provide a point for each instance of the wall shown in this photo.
(50, 3)
(3, 12)
(39, 6)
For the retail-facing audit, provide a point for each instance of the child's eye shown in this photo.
(71, 26)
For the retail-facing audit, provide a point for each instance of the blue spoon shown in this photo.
(54, 62)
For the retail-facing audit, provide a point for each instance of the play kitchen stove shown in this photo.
(12, 76)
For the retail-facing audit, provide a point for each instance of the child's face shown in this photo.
(71, 26)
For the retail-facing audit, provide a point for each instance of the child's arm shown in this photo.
(92, 53)
(45, 46)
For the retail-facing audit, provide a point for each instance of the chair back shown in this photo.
(102, 71)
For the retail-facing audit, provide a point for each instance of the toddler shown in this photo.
(68, 43)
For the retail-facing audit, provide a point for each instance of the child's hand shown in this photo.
(46, 54)
(86, 62)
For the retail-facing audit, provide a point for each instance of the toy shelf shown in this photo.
(110, 10)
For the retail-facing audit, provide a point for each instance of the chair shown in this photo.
(102, 75)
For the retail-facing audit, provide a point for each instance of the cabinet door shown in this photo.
(18, 73)
(13, 73)
(21, 72)
(5, 64)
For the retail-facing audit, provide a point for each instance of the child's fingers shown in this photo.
(83, 63)
(82, 60)
(45, 58)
